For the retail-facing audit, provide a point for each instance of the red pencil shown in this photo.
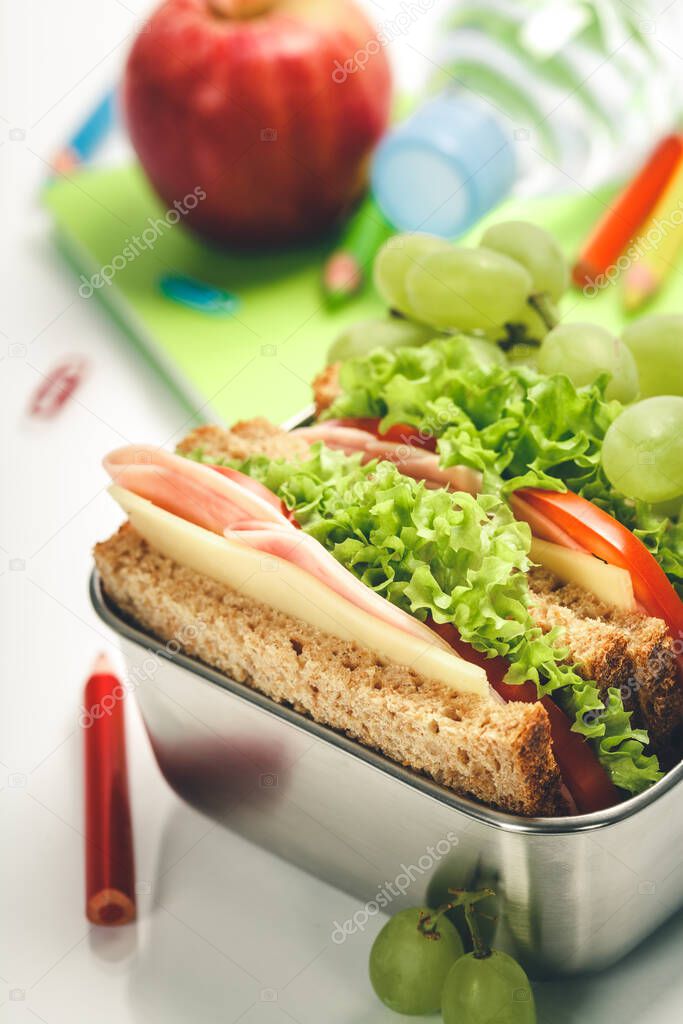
(627, 212)
(109, 865)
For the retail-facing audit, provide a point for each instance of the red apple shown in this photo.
(270, 107)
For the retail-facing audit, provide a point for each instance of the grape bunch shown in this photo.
(418, 965)
(504, 292)
(505, 289)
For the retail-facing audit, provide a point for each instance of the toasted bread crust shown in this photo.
(500, 754)
(326, 387)
(629, 650)
(248, 437)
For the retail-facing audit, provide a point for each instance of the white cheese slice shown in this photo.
(290, 589)
(610, 583)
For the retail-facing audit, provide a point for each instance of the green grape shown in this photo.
(408, 967)
(657, 346)
(480, 990)
(670, 509)
(467, 289)
(583, 352)
(394, 260)
(642, 452)
(359, 339)
(536, 250)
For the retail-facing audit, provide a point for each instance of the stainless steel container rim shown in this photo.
(495, 819)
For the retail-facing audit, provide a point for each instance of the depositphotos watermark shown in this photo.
(410, 12)
(648, 242)
(390, 891)
(140, 674)
(137, 244)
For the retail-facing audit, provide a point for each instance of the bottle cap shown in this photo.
(444, 167)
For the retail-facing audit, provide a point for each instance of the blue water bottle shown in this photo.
(444, 167)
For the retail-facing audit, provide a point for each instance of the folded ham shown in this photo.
(230, 503)
(417, 462)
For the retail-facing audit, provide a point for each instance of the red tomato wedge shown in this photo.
(256, 488)
(400, 433)
(582, 773)
(601, 534)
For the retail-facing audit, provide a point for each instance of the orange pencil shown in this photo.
(632, 206)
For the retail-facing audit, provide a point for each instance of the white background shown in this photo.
(225, 931)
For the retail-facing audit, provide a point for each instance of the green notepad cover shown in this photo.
(260, 360)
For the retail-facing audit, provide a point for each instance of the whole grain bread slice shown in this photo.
(500, 754)
(248, 437)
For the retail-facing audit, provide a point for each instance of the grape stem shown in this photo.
(467, 898)
(540, 302)
(516, 334)
(427, 924)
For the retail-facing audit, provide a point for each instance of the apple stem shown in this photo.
(240, 8)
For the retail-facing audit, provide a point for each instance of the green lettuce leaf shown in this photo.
(530, 428)
(456, 559)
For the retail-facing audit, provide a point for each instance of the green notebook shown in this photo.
(257, 358)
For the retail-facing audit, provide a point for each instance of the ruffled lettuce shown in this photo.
(513, 422)
(519, 427)
(456, 559)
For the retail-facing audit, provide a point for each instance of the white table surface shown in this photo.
(226, 932)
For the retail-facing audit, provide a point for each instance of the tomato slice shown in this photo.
(400, 433)
(256, 488)
(582, 773)
(598, 532)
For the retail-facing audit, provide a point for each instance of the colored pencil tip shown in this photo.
(110, 907)
(102, 666)
(582, 274)
(342, 275)
(639, 286)
(64, 162)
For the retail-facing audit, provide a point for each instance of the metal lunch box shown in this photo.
(574, 894)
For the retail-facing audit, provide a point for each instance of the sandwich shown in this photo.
(391, 591)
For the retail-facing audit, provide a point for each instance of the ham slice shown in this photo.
(191, 490)
(228, 504)
(413, 461)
